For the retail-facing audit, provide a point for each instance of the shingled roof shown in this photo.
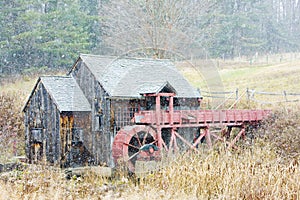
(154, 88)
(129, 77)
(64, 92)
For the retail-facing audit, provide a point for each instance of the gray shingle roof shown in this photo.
(125, 77)
(65, 93)
(154, 87)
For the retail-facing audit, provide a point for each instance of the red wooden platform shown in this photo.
(197, 118)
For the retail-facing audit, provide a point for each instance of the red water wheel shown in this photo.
(132, 143)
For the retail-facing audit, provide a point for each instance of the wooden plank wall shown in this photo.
(41, 112)
(102, 134)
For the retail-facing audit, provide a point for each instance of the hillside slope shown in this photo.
(278, 77)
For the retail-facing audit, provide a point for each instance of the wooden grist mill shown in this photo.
(108, 110)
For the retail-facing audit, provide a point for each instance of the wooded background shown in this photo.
(50, 34)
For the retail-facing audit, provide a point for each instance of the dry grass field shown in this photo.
(266, 167)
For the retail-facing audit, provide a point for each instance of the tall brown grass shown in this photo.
(255, 173)
(44, 182)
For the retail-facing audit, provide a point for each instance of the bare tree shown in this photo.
(154, 28)
(170, 29)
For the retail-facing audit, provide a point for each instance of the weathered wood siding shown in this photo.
(77, 120)
(42, 113)
(66, 124)
(102, 133)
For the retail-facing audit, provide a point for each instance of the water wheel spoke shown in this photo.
(131, 145)
(131, 157)
(138, 139)
(145, 138)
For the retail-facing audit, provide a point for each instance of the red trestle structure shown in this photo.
(136, 142)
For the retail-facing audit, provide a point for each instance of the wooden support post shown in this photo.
(158, 121)
(222, 139)
(198, 139)
(207, 137)
(228, 132)
(171, 110)
(185, 141)
(173, 143)
(157, 109)
(242, 132)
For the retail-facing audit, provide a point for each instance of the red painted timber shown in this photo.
(201, 116)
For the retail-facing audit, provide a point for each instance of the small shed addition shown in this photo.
(55, 116)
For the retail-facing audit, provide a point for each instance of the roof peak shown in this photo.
(55, 76)
(125, 57)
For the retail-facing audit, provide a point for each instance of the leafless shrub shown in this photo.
(282, 130)
(11, 125)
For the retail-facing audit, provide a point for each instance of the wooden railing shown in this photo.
(250, 95)
(200, 117)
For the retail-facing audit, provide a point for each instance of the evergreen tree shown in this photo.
(45, 34)
(51, 33)
(236, 29)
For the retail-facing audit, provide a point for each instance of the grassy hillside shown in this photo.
(278, 77)
(266, 169)
(275, 77)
